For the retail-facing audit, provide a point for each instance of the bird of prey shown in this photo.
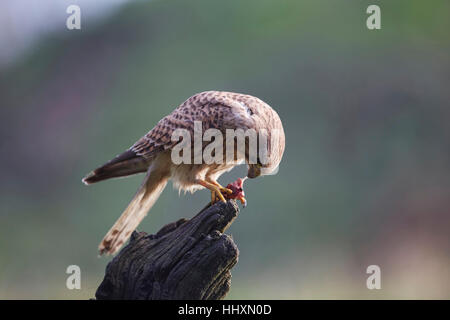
(153, 154)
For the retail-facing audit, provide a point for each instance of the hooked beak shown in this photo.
(253, 171)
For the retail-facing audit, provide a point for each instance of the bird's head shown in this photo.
(270, 135)
(269, 153)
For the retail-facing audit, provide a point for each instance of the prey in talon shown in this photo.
(237, 189)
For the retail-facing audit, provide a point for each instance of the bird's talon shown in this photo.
(220, 195)
(213, 197)
(243, 201)
(226, 190)
(216, 190)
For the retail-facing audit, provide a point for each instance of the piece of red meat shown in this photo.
(238, 191)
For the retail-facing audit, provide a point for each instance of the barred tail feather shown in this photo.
(142, 202)
(124, 164)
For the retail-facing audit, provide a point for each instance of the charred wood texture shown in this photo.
(186, 259)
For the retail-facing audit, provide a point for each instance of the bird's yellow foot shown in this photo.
(243, 201)
(217, 191)
(222, 189)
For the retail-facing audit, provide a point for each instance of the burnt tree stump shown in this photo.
(186, 259)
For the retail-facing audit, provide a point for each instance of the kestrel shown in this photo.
(153, 154)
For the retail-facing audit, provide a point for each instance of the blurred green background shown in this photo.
(365, 175)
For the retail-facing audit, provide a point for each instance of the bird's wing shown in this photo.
(215, 109)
